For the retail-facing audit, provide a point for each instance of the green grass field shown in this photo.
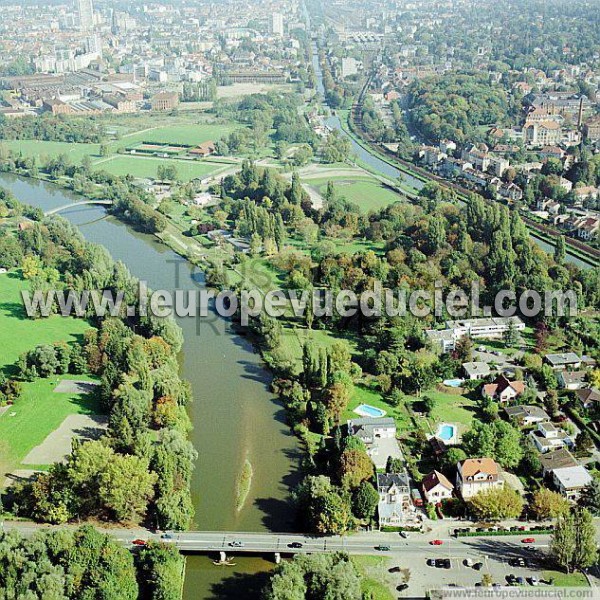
(366, 395)
(19, 334)
(45, 150)
(145, 167)
(566, 580)
(377, 583)
(450, 408)
(38, 411)
(36, 414)
(367, 193)
(190, 134)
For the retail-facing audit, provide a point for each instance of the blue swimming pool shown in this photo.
(366, 410)
(446, 432)
(453, 382)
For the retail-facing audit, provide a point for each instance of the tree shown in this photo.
(325, 507)
(449, 460)
(586, 548)
(547, 504)
(355, 467)
(560, 250)
(364, 501)
(496, 504)
(562, 545)
(584, 443)
(590, 498)
(326, 576)
(511, 335)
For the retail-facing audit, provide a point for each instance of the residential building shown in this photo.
(542, 133)
(566, 360)
(548, 437)
(475, 371)
(85, 10)
(557, 459)
(572, 380)
(485, 328)
(277, 24)
(436, 487)
(503, 390)
(589, 398)
(592, 129)
(379, 437)
(476, 475)
(570, 481)
(526, 415)
(395, 506)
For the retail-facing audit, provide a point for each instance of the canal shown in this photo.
(235, 416)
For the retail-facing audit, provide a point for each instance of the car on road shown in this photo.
(139, 542)
(436, 542)
(528, 540)
(166, 536)
(236, 544)
(295, 545)
(382, 548)
(478, 566)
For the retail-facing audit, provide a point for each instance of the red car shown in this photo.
(139, 542)
(436, 542)
(528, 541)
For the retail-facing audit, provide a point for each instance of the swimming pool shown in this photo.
(453, 382)
(366, 410)
(447, 433)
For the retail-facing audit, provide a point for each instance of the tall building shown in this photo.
(86, 14)
(277, 24)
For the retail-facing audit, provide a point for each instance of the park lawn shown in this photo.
(147, 167)
(367, 193)
(42, 150)
(19, 334)
(452, 408)
(36, 414)
(362, 394)
(376, 581)
(566, 579)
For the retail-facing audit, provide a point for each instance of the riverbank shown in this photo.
(234, 413)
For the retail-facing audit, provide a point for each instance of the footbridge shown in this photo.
(76, 204)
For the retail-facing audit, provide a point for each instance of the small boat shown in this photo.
(224, 563)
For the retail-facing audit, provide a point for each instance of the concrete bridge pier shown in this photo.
(277, 558)
(222, 556)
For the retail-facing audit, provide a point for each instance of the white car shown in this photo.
(534, 581)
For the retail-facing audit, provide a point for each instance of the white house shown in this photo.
(379, 436)
(570, 481)
(526, 414)
(476, 475)
(572, 380)
(436, 487)
(548, 437)
(395, 507)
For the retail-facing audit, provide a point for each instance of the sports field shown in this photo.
(147, 167)
(44, 150)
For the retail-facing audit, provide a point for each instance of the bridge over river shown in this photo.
(76, 204)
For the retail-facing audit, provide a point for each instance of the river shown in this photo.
(234, 414)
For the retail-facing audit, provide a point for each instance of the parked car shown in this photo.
(404, 534)
(468, 562)
(397, 569)
(510, 579)
(528, 540)
(519, 581)
(478, 566)
(436, 542)
(139, 542)
(431, 562)
(534, 581)
(402, 587)
(443, 563)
